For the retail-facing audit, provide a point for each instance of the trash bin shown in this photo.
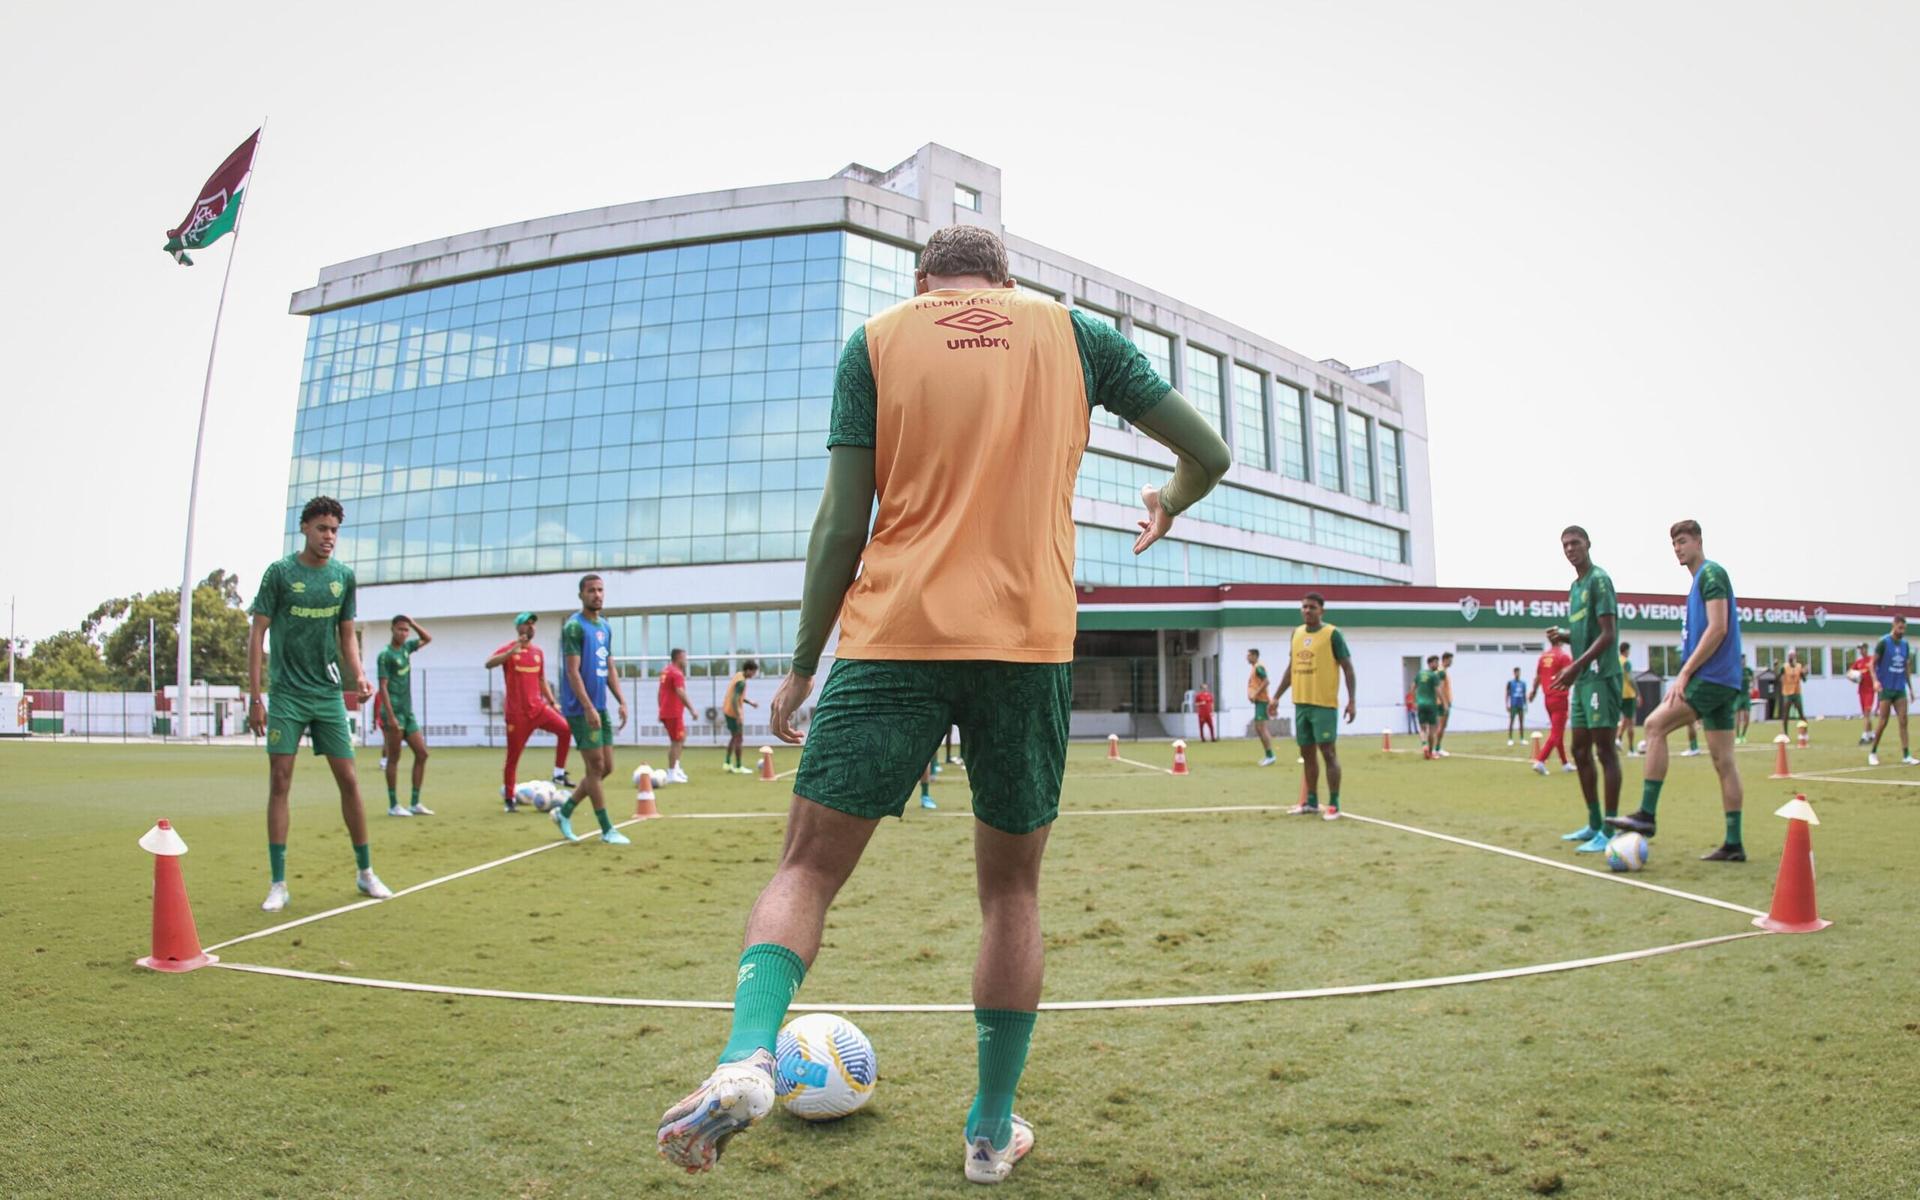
(1649, 685)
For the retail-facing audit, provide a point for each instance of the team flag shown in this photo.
(218, 207)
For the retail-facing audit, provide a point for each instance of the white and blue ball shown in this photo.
(825, 1067)
(536, 792)
(1628, 852)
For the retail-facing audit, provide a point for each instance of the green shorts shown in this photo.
(1713, 702)
(1743, 702)
(1595, 703)
(733, 726)
(588, 738)
(402, 720)
(1260, 712)
(288, 719)
(1315, 723)
(1792, 704)
(878, 724)
(1892, 696)
(1428, 714)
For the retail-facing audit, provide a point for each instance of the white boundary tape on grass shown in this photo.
(1864, 782)
(1358, 989)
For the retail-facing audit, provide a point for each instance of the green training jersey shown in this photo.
(1426, 687)
(1590, 598)
(306, 606)
(395, 667)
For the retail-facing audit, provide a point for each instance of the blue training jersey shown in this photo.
(592, 640)
(1516, 693)
(1710, 582)
(1890, 663)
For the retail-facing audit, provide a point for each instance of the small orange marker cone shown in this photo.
(1803, 735)
(1793, 909)
(1386, 741)
(766, 764)
(1179, 758)
(1780, 768)
(176, 943)
(644, 805)
(1113, 745)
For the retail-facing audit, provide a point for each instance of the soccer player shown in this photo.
(1592, 678)
(1443, 708)
(1892, 664)
(1861, 672)
(586, 650)
(394, 667)
(1703, 690)
(674, 704)
(306, 598)
(736, 733)
(1791, 677)
(1516, 707)
(1258, 692)
(531, 705)
(1426, 702)
(965, 411)
(1629, 702)
(1742, 707)
(1203, 713)
(1316, 699)
(1545, 672)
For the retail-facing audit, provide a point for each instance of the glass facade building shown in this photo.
(643, 391)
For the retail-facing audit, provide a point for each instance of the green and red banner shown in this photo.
(213, 215)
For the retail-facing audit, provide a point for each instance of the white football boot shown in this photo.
(695, 1131)
(987, 1165)
(276, 898)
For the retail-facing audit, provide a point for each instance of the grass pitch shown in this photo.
(1770, 1067)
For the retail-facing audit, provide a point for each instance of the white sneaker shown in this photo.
(1690, 753)
(1442, 754)
(1568, 767)
(370, 883)
(397, 811)
(420, 810)
(383, 762)
(276, 898)
(1267, 761)
(1539, 768)
(695, 1131)
(987, 1165)
(678, 776)
(1873, 760)
(1910, 761)
(1509, 741)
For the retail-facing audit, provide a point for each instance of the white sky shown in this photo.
(1654, 260)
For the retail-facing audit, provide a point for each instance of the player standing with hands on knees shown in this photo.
(586, 648)
(964, 412)
(306, 600)
(1704, 690)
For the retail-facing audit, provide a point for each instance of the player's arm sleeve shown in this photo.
(833, 549)
(573, 641)
(1340, 646)
(851, 421)
(1715, 586)
(1605, 602)
(268, 596)
(413, 644)
(1260, 671)
(1121, 380)
(347, 591)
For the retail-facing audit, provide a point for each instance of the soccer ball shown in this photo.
(825, 1067)
(535, 792)
(1853, 675)
(1628, 852)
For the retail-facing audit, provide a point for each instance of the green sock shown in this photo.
(1313, 800)
(1650, 795)
(1593, 815)
(1334, 799)
(363, 855)
(926, 789)
(606, 821)
(416, 797)
(393, 800)
(769, 976)
(1693, 743)
(566, 810)
(277, 858)
(1003, 1038)
(1733, 829)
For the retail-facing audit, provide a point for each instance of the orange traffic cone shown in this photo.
(1793, 908)
(176, 943)
(1386, 741)
(1113, 745)
(1803, 735)
(1179, 758)
(1780, 769)
(644, 806)
(766, 764)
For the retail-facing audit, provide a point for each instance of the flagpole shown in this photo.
(183, 714)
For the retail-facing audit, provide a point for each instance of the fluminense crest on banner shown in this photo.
(214, 213)
(1469, 607)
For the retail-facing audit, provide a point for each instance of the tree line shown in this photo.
(108, 651)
